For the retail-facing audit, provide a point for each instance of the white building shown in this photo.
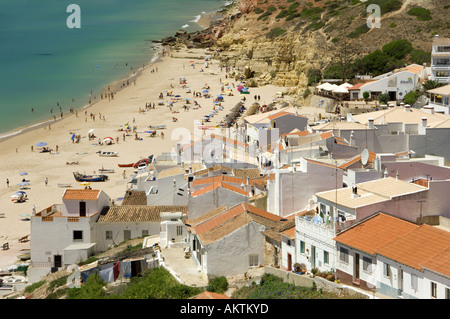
(62, 235)
(439, 99)
(227, 242)
(440, 60)
(290, 189)
(121, 223)
(395, 258)
(396, 84)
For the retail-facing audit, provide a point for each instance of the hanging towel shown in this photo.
(107, 275)
(116, 270)
(126, 269)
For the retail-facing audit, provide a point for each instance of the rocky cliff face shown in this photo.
(280, 40)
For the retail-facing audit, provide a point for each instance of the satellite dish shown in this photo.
(364, 156)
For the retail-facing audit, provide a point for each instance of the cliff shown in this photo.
(280, 40)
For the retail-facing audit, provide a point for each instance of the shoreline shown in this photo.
(204, 21)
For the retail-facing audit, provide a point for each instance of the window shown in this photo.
(343, 255)
(447, 293)
(179, 230)
(367, 265)
(108, 234)
(326, 257)
(386, 270)
(302, 247)
(77, 235)
(288, 242)
(253, 260)
(433, 290)
(126, 234)
(144, 232)
(414, 282)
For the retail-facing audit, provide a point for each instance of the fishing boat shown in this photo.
(106, 170)
(89, 178)
(125, 165)
(107, 153)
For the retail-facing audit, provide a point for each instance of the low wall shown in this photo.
(319, 282)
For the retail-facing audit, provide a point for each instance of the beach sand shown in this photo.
(16, 155)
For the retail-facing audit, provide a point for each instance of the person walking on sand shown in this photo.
(7, 182)
(46, 181)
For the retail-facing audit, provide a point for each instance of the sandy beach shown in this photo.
(18, 156)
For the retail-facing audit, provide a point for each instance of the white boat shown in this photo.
(106, 170)
(108, 153)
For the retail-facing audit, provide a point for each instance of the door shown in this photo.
(356, 269)
(82, 209)
(57, 260)
(289, 262)
(126, 234)
(313, 256)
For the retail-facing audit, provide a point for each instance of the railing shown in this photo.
(73, 219)
(47, 219)
(41, 264)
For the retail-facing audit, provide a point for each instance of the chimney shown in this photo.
(391, 105)
(407, 108)
(370, 123)
(424, 121)
(178, 153)
(428, 109)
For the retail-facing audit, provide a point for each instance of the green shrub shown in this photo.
(218, 284)
(33, 287)
(386, 5)
(359, 30)
(420, 13)
(275, 32)
(383, 98)
(411, 97)
(398, 49)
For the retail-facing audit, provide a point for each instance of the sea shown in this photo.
(54, 54)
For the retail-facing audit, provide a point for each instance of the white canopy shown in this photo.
(340, 89)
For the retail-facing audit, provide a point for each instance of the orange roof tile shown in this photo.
(216, 179)
(290, 233)
(81, 194)
(422, 245)
(210, 295)
(375, 232)
(231, 213)
(416, 246)
(217, 185)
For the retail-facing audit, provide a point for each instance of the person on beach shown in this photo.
(7, 182)
(46, 181)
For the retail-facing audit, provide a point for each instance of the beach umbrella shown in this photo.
(23, 173)
(205, 91)
(90, 131)
(73, 136)
(340, 89)
(40, 144)
(23, 184)
(85, 183)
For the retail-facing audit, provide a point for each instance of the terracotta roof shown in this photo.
(133, 197)
(217, 185)
(416, 246)
(219, 178)
(210, 295)
(358, 86)
(282, 113)
(357, 158)
(138, 213)
(224, 222)
(81, 194)
(375, 232)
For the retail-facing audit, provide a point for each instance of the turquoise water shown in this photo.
(43, 62)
